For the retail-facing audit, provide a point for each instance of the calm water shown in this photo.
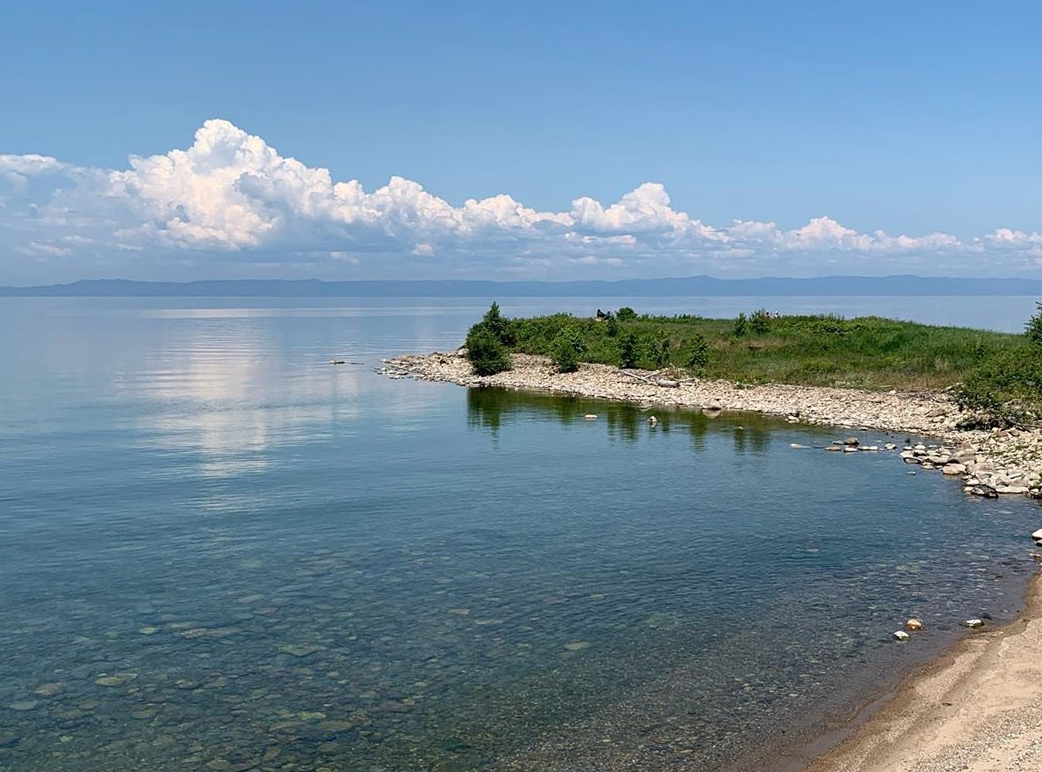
(219, 552)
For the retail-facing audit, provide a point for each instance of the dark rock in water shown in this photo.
(9, 739)
(854, 441)
(455, 745)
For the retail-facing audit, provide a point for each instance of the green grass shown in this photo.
(995, 377)
(868, 352)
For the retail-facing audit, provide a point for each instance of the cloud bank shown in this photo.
(232, 205)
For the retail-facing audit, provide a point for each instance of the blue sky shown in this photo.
(911, 119)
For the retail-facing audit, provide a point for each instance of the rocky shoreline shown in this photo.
(989, 463)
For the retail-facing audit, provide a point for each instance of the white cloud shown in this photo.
(232, 200)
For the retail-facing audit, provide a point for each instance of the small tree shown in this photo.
(612, 327)
(626, 314)
(741, 324)
(486, 353)
(498, 325)
(628, 351)
(1034, 327)
(565, 351)
(699, 356)
(760, 322)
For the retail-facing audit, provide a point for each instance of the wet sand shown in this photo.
(977, 708)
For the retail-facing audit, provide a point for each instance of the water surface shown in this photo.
(219, 552)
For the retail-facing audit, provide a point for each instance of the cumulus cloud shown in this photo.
(232, 199)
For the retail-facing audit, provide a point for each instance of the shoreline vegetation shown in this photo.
(979, 393)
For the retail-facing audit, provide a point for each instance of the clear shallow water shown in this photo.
(219, 552)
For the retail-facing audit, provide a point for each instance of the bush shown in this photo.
(498, 325)
(661, 349)
(741, 325)
(628, 352)
(1005, 389)
(486, 352)
(699, 356)
(1034, 327)
(626, 314)
(612, 327)
(760, 322)
(565, 351)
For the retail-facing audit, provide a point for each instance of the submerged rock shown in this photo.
(115, 679)
(298, 649)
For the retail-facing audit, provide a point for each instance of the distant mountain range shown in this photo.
(690, 286)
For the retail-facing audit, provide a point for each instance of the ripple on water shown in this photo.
(250, 564)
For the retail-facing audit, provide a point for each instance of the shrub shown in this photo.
(612, 327)
(486, 352)
(566, 350)
(1034, 327)
(699, 356)
(661, 349)
(626, 314)
(498, 325)
(1004, 389)
(628, 352)
(760, 322)
(741, 324)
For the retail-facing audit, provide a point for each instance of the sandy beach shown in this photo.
(979, 706)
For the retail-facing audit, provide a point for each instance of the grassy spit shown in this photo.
(996, 377)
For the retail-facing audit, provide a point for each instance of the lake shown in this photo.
(219, 552)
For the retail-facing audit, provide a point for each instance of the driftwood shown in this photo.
(666, 383)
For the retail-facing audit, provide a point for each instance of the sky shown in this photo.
(535, 140)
